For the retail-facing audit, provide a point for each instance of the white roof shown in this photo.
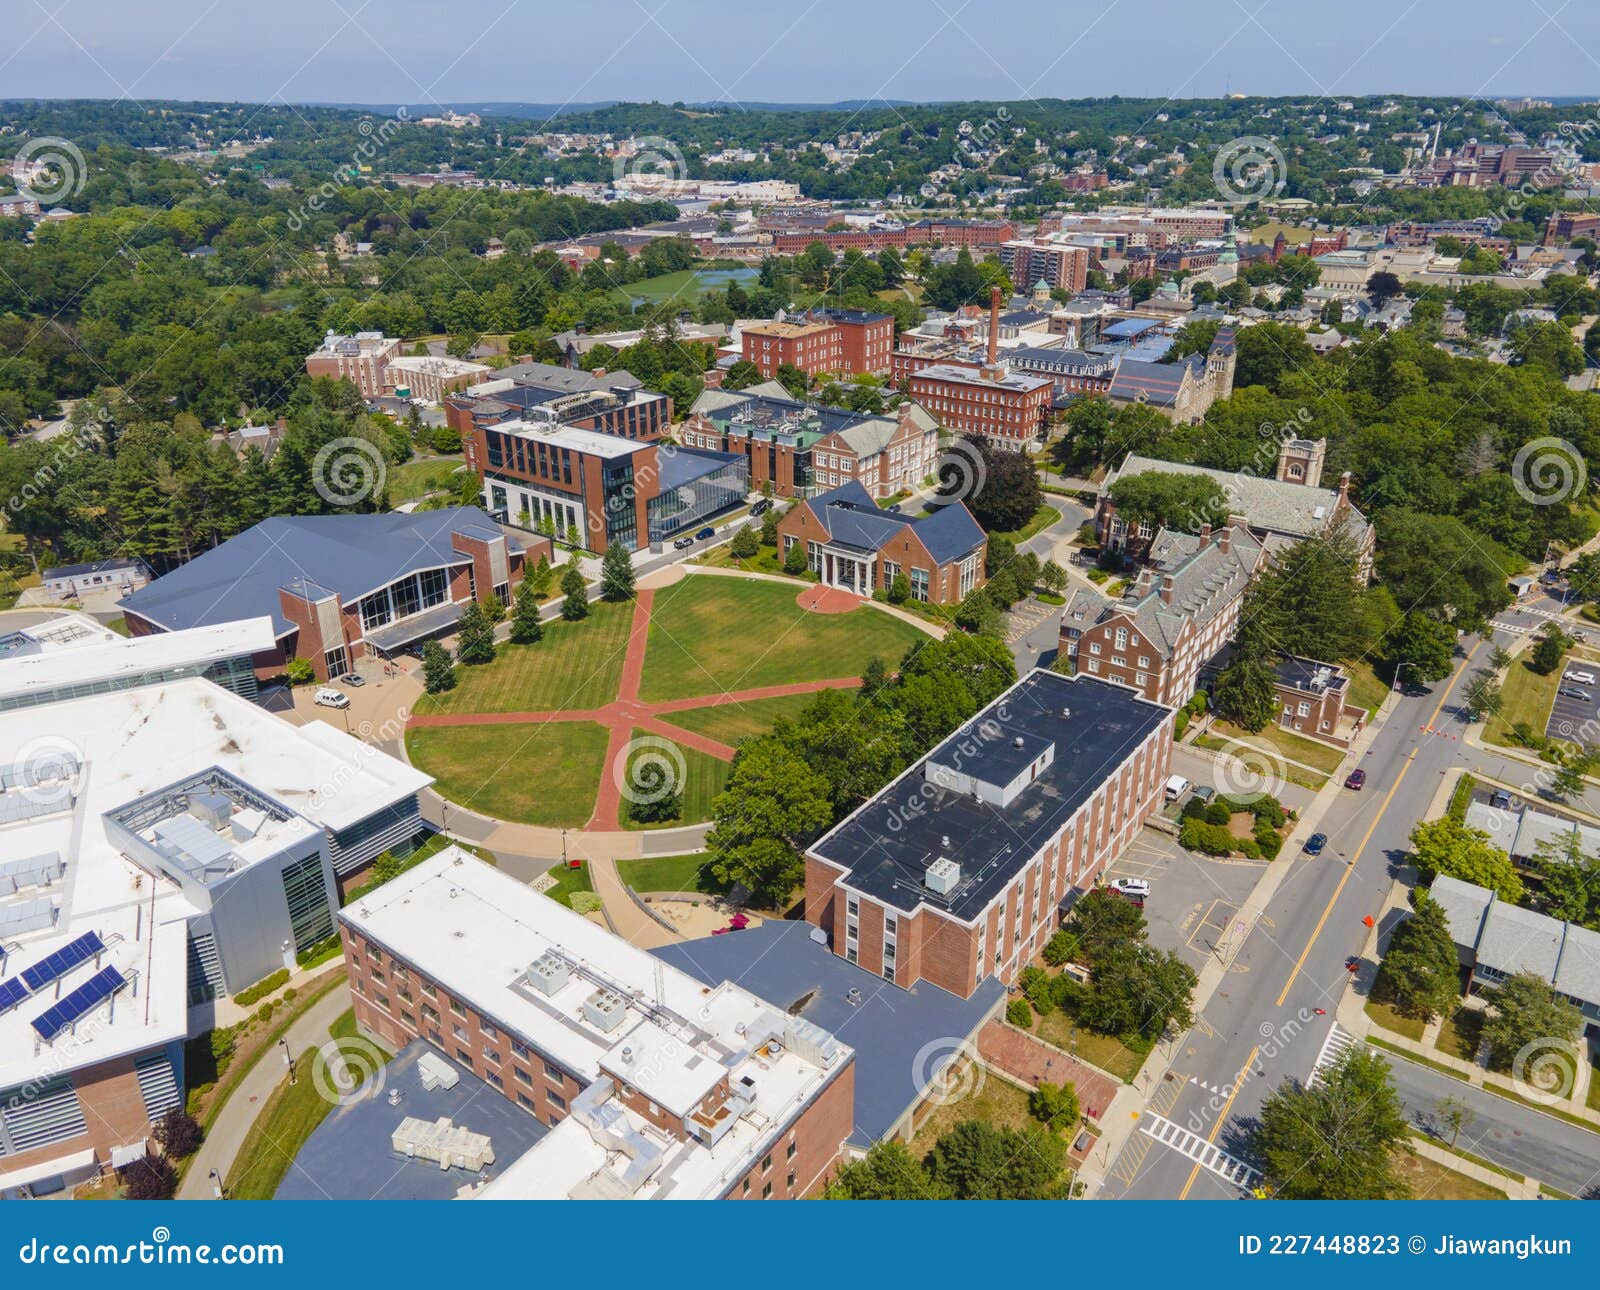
(128, 744)
(476, 931)
(437, 365)
(93, 657)
(579, 440)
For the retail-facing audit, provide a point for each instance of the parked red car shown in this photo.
(1356, 780)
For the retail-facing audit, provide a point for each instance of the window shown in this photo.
(555, 1100)
(487, 1027)
(522, 1076)
(526, 1102)
(555, 1073)
(766, 1191)
(464, 1057)
(494, 1079)
(789, 1154)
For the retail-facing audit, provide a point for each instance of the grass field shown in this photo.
(1107, 1052)
(1458, 1034)
(1526, 696)
(686, 285)
(730, 722)
(1430, 1180)
(575, 666)
(290, 1116)
(1389, 1019)
(711, 635)
(1367, 689)
(413, 479)
(532, 774)
(1285, 743)
(668, 873)
(568, 883)
(703, 778)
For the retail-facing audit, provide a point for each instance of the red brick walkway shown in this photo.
(828, 600)
(1033, 1062)
(627, 713)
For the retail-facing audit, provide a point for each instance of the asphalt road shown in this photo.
(1034, 628)
(1260, 1027)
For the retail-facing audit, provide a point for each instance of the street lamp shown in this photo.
(1397, 668)
(288, 1060)
(217, 1191)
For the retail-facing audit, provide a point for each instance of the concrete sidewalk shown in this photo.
(226, 1136)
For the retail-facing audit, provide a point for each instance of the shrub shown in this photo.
(1208, 838)
(1271, 842)
(178, 1133)
(1180, 724)
(1197, 704)
(262, 988)
(1193, 809)
(1035, 984)
(1249, 848)
(152, 1178)
(1020, 1014)
(584, 902)
(746, 543)
(298, 672)
(795, 561)
(899, 589)
(656, 810)
(1061, 948)
(1219, 813)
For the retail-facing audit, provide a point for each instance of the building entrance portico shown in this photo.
(846, 570)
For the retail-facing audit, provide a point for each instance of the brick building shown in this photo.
(596, 488)
(958, 870)
(852, 544)
(1057, 264)
(1006, 409)
(340, 588)
(796, 446)
(432, 376)
(655, 1085)
(362, 359)
(1181, 609)
(1183, 390)
(843, 341)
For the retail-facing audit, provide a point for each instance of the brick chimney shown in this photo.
(994, 326)
(1205, 534)
(1166, 589)
(1344, 489)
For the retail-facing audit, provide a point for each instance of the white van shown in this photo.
(328, 697)
(1177, 786)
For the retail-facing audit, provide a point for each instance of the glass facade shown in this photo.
(404, 597)
(307, 897)
(236, 674)
(697, 500)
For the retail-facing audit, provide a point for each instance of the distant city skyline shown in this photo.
(531, 51)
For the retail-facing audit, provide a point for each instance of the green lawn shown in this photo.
(730, 722)
(686, 285)
(765, 560)
(1285, 743)
(1385, 1015)
(1042, 519)
(712, 635)
(1367, 689)
(1526, 696)
(669, 873)
(703, 778)
(412, 479)
(542, 774)
(575, 666)
(289, 1118)
(1458, 1034)
(568, 883)
(1107, 1052)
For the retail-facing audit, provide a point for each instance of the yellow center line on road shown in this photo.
(1222, 1115)
(1238, 1082)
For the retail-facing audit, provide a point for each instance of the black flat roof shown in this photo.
(887, 844)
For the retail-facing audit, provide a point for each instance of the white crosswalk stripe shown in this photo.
(1335, 1046)
(1205, 1154)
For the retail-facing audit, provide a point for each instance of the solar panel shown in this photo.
(58, 964)
(12, 993)
(82, 1001)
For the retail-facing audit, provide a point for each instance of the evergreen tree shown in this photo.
(526, 629)
(474, 636)
(576, 604)
(438, 673)
(1244, 692)
(616, 573)
(1420, 972)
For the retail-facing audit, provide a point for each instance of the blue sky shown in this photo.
(796, 51)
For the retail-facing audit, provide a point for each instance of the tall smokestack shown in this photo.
(994, 326)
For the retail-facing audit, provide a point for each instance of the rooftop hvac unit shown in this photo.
(549, 972)
(211, 809)
(605, 1009)
(943, 876)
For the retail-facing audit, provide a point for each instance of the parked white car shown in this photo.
(328, 697)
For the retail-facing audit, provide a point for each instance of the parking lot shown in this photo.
(1573, 717)
(1193, 899)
